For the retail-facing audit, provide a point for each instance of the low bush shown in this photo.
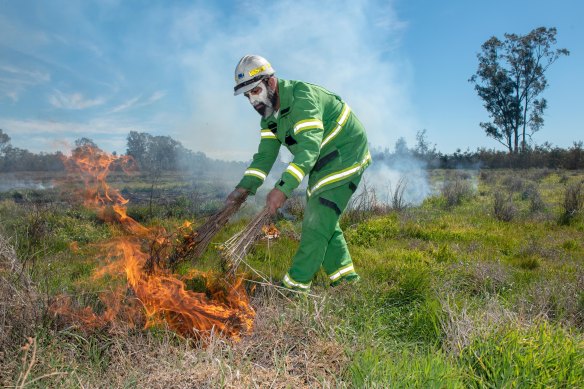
(456, 190)
(573, 202)
(513, 183)
(503, 207)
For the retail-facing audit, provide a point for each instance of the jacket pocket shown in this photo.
(325, 160)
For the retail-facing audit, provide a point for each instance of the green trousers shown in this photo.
(322, 242)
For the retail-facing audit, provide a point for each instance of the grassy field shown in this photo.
(481, 285)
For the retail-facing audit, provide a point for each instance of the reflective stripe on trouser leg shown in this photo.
(292, 284)
(337, 260)
(319, 227)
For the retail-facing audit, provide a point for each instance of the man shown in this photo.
(328, 143)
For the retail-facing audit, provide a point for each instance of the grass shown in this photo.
(450, 296)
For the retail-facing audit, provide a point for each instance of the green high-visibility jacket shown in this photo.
(325, 137)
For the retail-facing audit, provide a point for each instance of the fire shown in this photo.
(152, 294)
(270, 231)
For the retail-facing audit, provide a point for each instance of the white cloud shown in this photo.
(126, 105)
(15, 80)
(138, 101)
(73, 100)
(34, 76)
(156, 96)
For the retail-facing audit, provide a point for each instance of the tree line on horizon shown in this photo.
(156, 154)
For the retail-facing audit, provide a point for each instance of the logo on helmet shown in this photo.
(259, 69)
(240, 76)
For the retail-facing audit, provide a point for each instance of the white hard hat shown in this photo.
(249, 72)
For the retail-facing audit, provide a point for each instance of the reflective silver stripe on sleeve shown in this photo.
(295, 171)
(307, 125)
(255, 172)
(267, 134)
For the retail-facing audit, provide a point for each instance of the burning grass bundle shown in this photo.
(239, 245)
(158, 296)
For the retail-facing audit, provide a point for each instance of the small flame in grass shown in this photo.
(151, 295)
(270, 231)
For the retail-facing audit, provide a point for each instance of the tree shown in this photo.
(154, 153)
(401, 147)
(85, 142)
(4, 141)
(509, 79)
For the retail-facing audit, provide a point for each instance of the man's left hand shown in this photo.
(276, 198)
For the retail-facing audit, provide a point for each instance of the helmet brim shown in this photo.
(246, 88)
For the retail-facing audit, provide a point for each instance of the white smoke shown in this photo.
(403, 172)
(344, 46)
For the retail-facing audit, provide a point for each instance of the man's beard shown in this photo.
(265, 101)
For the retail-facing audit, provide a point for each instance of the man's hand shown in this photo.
(237, 196)
(276, 198)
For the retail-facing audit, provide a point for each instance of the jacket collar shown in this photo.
(285, 88)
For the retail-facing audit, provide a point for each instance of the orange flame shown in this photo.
(163, 297)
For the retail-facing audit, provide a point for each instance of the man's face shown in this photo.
(262, 98)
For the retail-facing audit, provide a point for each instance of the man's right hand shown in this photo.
(237, 196)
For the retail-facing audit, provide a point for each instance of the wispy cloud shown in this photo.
(33, 76)
(138, 101)
(73, 100)
(126, 105)
(156, 96)
(14, 81)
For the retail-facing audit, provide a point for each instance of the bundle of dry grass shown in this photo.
(19, 307)
(237, 247)
(195, 244)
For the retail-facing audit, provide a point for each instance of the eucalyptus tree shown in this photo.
(510, 79)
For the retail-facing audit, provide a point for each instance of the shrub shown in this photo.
(555, 298)
(366, 204)
(573, 201)
(536, 203)
(484, 277)
(503, 207)
(487, 177)
(539, 174)
(513, 183)
(456, 190)
(398, 202)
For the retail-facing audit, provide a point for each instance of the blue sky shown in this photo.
(99, 69)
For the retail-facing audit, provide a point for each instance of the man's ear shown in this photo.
(272, 82)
